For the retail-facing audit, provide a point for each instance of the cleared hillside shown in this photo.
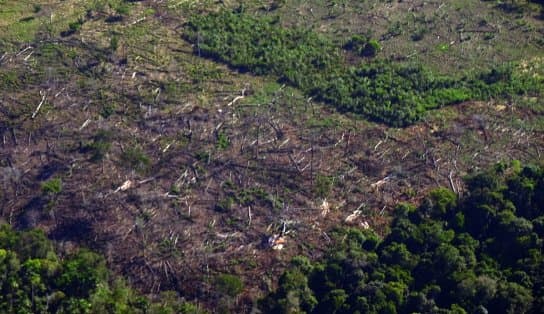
(121, 133)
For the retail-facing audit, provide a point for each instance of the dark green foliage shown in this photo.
(225, 205)
(363, 46)
(431, 262)
(385, 92)
(293, 294)
(135, 158)
(323, 185)
(100, 145)
(34, 279)
(230, 285)
(82, 273)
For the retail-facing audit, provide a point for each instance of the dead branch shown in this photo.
(13, 136)
(84, 124)
(146, 180)
(376, 185)
(23, 51)
(377, 145)
(294, 162)
(29, 55)
(40, 104)
(340, 140)
(237, 98)
(60, 92)
(452, 184)
(138, 21)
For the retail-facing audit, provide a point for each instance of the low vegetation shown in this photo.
(395, 94)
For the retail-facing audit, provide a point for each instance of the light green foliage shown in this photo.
(381, 91)
(52, 186)
(33, 279)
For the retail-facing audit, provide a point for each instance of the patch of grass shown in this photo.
(203, 156)
(225, 205)
(230, 285)
(419, 33)
(443, 47)
(9, 79)
(23, 20)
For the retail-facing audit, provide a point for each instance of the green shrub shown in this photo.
(136, 158)
(225, 205)
(75, 26)
(223, 141)
(100, 145)
(323, 185)
(372, 48)
(230, 285)
(419, 33)
(363, 46)
(52, 186)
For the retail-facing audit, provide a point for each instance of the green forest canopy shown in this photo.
(34, 279)
(481, 253)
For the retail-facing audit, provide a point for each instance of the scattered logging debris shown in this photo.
(325, 208)
(355, 218)
(276, 242)
(44, 96)
(125, 186)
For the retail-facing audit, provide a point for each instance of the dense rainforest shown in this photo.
(35, 279)
(478, 253)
